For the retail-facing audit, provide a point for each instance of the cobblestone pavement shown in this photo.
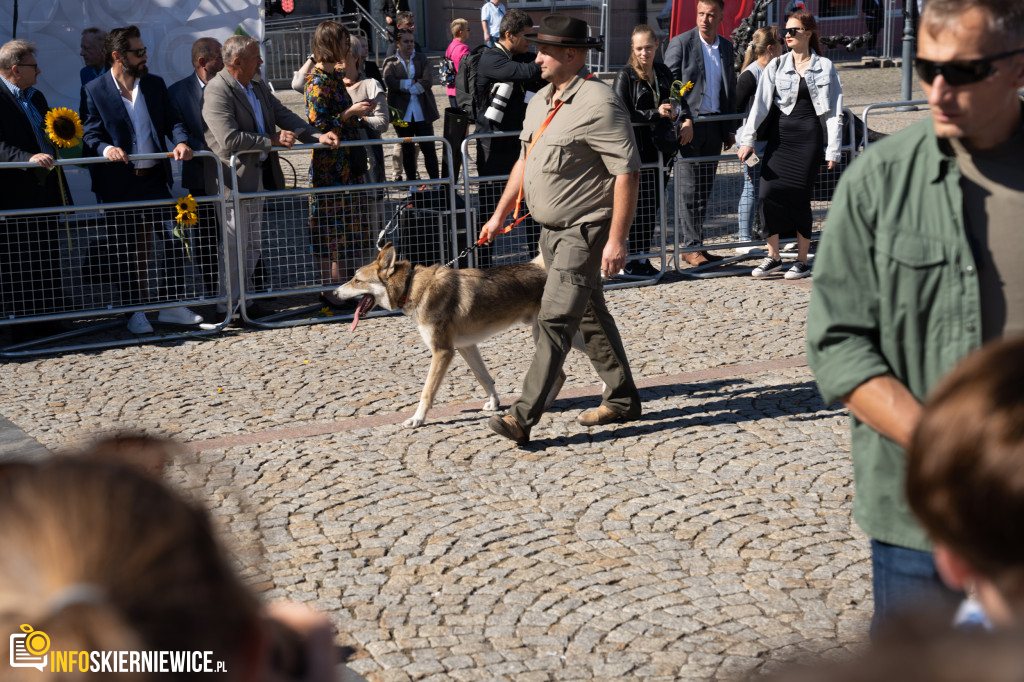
(710, 538)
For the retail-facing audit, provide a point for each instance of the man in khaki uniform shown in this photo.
(579, 172)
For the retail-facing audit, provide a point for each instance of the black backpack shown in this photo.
(465, 82)
(446, 72)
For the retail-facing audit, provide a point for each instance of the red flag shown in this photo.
(684, 15)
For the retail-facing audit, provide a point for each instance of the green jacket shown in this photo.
(895, 290)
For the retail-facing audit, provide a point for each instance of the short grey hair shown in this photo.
(1005, 17)
(235, 46)
(357, 51)
(97, 33)
(13, 52)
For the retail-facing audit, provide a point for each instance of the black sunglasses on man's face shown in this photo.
(138, 52)
(960, 72)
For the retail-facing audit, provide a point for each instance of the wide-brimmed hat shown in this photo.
(564, 31)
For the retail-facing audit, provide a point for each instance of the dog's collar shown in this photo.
(408, 285)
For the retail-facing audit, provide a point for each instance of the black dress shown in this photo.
(795, 152)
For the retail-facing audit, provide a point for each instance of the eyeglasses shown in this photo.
(961, 72)
(140, 52)
(791, 32)
(34, 66)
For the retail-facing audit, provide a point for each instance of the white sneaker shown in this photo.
(798, 271)
(138, 324)
(767, 266)
(179, 316)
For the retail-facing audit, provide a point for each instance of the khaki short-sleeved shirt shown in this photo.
(570, 173)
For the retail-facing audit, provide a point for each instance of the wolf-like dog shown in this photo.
(454, 310)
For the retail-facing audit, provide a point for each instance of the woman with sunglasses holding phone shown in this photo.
(799, 102)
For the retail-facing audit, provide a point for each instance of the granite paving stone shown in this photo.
(710, 539)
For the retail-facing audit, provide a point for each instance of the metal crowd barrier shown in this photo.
(722, 177)
(910, 106)
(81, 262)
(310, 240)
(482, 193)
(70, 263)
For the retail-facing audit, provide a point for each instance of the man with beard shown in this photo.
(127, 112)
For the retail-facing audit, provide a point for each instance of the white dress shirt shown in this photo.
(414, 112)
(145, 136)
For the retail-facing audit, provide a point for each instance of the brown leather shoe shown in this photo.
(508, 427)
(599, 416)
(695, 258)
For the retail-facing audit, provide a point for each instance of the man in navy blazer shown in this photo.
(92, 54)
(30, 277)
(703, 57)
(127, 112)
(187, 101)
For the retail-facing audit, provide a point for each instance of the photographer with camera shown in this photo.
(505, 74)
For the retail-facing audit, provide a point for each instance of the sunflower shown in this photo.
(396, 118)
(188, 211)
(678, 89)
(188, 216)
(63, 127)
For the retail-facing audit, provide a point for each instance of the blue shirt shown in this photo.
(24, 98)
(492, 14)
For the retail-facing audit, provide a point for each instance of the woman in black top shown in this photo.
(644, 88)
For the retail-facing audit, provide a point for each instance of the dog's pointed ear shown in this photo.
(386, 259)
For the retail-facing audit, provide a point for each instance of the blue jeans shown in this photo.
(748, 198)
(903, 579)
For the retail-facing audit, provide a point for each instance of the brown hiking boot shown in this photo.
(508, 427)
(601, 415)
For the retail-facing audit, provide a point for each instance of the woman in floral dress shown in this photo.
(339, 229)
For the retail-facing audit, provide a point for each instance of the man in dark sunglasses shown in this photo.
(920, 264)
(126, 113)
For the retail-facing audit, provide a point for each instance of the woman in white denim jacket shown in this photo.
(799, 101)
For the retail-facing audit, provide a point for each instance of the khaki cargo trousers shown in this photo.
(574, 299)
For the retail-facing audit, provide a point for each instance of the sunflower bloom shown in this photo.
(187, 216)
(63, 127)
(396, 118)
(678, 89)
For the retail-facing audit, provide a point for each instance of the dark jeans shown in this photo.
(696, 180)
(874, 28)
(645, 222)
(132, 235)
(419, 129)
(904, 579)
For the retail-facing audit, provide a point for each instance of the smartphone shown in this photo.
(752, 160)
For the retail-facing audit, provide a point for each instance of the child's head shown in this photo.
(965, 476)
(101, 556)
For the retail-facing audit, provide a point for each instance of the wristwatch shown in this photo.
(309, 57)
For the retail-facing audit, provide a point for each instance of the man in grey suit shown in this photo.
(186, 98)
(703, 57)
(241, 114)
